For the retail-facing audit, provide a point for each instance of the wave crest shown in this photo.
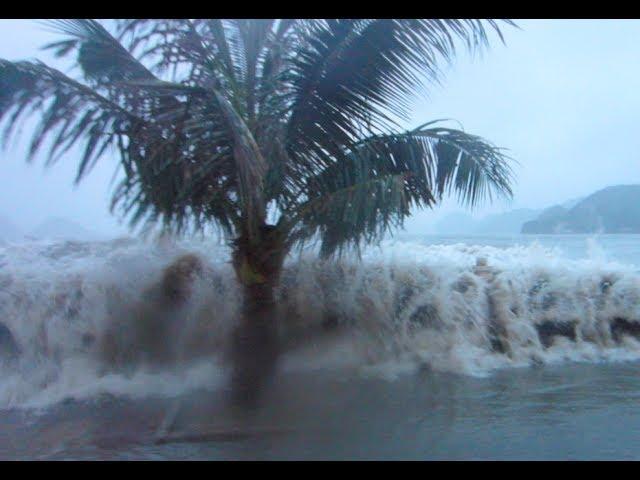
(90, 318)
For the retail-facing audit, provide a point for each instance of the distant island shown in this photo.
(506, 223)
(613, 209)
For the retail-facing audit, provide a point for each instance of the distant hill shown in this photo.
(505, 223)
(510, 222)
(62, 229)
(571, 203)
(613, 209)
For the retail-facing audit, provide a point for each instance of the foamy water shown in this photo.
(449, 306)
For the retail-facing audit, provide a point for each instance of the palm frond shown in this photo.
(374, 189)
(168, 175)
(254, 35)
(251, 167)
(220, 121)
(351, 73)
(100, 55)
(70, 112)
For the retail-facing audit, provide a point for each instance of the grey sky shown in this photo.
(563, 96)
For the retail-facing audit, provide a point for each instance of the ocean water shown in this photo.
(441, 347)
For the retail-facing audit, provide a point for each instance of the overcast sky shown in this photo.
(562, 95)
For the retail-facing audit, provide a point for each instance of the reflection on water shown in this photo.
(575, 411)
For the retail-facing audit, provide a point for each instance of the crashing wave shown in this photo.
(84, 318)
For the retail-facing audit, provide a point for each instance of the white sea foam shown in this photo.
(461, 308)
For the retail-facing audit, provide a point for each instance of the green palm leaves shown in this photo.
(229, 121)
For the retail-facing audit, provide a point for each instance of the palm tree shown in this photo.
(277, 132)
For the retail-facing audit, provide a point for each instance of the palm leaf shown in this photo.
(71, 112)
(364, 72)
(221, 121)
(374, 189)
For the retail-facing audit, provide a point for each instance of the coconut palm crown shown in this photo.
(280, 128)
(276, 132)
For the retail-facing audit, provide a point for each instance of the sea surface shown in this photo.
(428, 347)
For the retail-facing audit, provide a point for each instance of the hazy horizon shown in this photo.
(560, 96)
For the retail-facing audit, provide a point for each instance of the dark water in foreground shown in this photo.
(574, 411)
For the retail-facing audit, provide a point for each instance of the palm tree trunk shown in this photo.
(258, 265)
(254, 347)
